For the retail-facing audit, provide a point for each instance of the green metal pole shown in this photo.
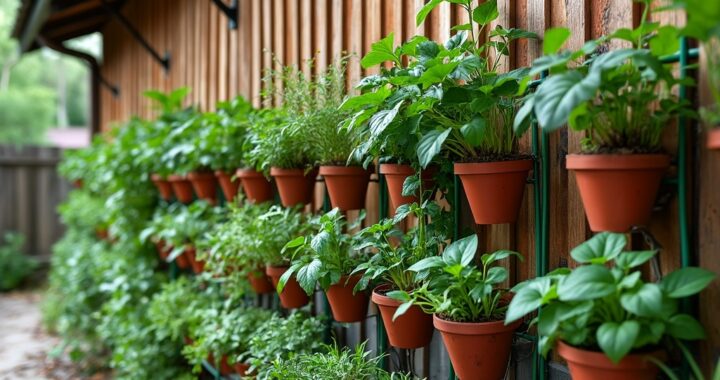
(326, 304)
(381, 335)
(456, 235)
(685, 259)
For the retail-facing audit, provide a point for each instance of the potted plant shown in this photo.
(254, 176)
(395, 253)
(468, 307)
(328, 256)
(612, 99)
(187, 228)
(602, 317)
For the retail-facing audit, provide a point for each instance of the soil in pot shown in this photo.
(395, 176)
(346, 185)
(294, 185)
(477, 348)
(292, 296)
(618, 191)
(256, 187)
(260, 282)
(182, 188)
(204, 185)
(346, 306)
(713, 138)
(592, 365)
(228, 185)
(494, 189)
(163, 186)
(414, 329)
(197, 265)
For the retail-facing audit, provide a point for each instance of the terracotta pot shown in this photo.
(161, 249)
(163, 186)
(78, 183)
(102, 233)
(295, 187)
(187, 341)
(713, 138)
(347, 307)
(181, 187)
(225, 368)
(242, 369)
(260, 282)
(228, 185)
(292, 296)
(256, 187)
(494, 189)
(204, 185)
(346, 185)
(395, 175)
(476, 348)
(618, 191)
(414, 329)
(197, 265)
(591, 365)
(182, 260)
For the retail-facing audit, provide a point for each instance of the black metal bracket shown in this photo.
(114, 89)
(232, 12)
(164, 60)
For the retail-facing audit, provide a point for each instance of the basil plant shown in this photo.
(604, 303)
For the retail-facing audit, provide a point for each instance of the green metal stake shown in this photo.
(456, 236)
(326, 304)
(381, 335)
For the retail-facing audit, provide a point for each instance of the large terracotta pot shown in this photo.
(197, 265)
(181, 187)
(242, 369)
(395, 176)
(204, 185)
(713, 138)
(294, 185)
(346, 185)
(163, 186)
(182, 260)
(228, 185)
(225, 368)
(256, 187)
(347, 307)
(494, 189)
(260, 282)
(292, 296)
(477, 348)
(414, 329)
(592, 365)
(618, 191)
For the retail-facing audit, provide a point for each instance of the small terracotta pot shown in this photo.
(494, 189)
(260, 282)
(292, 296)
(347, 307)
(414, 329)
(228, 185)
(242, 369)
(225, 368)
(295, 187)
(713, 138)
(618, 191)
(161, 249)
(182, 260)
(181, 187)
(102, 233)
(187, 341)
(591, 365)
(204, 185)
(395, 176)
(197, 265)
(346, 185)
(78, 183)
(256, 187)
(163, 186)
(476, 348)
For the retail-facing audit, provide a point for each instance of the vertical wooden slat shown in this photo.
(292, 34)
(278, 43)
(373, 29)
(306, 40)
(337, 28)
(245, 33)
(256, 71)
(353, 34)
(321, 42)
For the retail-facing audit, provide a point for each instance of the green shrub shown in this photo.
(14, 265)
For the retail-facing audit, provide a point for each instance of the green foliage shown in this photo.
(25, 115)
(174, 310)
(274, 229)
(611, 308)
(14, 265)
(83, 211)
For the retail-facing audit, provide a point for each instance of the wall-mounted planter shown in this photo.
(242, 369)
(591, 365)
(395, 176)
(618, 191)
(414, 329)
(347, 307)
(292, 296)
(228, 185)
(494, 189)
(181, 187)
(294, 185)
(225, 368)
(197, 265)
(204, 184)
(162, 249)
(346, 185)
(260, 282)
(713, 138)
(256, 187)
(181, 260)
(163, 186)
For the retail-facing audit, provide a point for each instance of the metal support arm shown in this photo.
(231, 12)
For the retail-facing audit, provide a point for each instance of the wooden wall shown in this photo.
(218, 63)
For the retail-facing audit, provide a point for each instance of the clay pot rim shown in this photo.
(280, 172)
(201, 175)
(617, 161)
(382, 299)
(276, 270)
(337, 170)
(522, 165)
(344, 283)
(248, 173)
(599, 359)
(399, 169)
(219, 173)
(155, 177)
(474, 328)
(176, 178)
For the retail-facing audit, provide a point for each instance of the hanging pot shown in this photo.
(476, 348)
(346, 186)
(225, 368)
(256, 187)
(414, 329)
(395, 176)
(204, 185)
(181, 187)
(163, 186)
(346, 306)
(78, 183)
(260, 282)
(242, 369)
(494, 189)
(294, 185)
(713, 138)
(161, 249)
(618, 191)
(181, 260)
(197, 265)
(592, 365)
(228, 185)
(292, 296)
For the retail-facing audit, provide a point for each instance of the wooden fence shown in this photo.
(30, 191)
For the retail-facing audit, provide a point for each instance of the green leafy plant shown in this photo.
(83, 211)
(454, 288)
(14, 265)
(274, 229)
(609, 308)
(173, 310)
(224, 134)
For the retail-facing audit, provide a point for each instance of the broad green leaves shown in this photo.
(381, 51)
(560, 94)
(686, 282)
(486, 12)
(602, 248)
(430, 145)
(617, 339)
(554, 39)
(586, 283)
